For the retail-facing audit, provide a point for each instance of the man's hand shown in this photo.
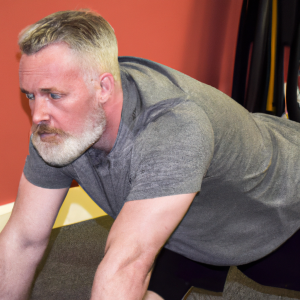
(137, 235)
(25, 237)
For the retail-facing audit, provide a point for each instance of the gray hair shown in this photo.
(85, 32)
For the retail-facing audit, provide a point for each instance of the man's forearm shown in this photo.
(17, 267)
(126, 279)
(137, 235)
(25, 237)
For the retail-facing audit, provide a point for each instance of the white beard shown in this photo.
(69, 147)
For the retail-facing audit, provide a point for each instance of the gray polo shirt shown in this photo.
(177, 136)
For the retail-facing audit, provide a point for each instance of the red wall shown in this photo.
(197, 37)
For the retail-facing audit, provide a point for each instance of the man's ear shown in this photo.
(107, 85)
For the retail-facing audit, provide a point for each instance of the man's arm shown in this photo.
(25, 237)
(137, 235)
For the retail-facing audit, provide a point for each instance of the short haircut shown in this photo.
(85, 32)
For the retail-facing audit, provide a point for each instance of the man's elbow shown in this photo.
(18, 239)
(141, 265)
(133, 264)
(139, 261)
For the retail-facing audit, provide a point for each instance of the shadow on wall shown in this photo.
(211, 41)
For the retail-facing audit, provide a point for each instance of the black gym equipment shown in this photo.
(267, 27)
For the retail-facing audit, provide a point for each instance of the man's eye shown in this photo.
(55, 96)
(30, 96)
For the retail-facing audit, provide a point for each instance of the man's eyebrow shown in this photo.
(24, 91)
(49, 90)
(46, 90)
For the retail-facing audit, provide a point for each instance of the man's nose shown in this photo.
(40, 110)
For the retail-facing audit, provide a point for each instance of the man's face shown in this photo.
(67, 117)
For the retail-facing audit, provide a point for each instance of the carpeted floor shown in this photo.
(74, 252)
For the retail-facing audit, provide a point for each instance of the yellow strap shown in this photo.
(270, 106)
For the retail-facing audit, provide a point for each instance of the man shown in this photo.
(177, 163)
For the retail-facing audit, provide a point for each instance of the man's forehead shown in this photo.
(52, 63)
(51, 58)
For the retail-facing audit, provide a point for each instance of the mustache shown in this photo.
(44, 128)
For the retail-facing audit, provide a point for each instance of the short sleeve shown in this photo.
(41, 174)
(172, 154)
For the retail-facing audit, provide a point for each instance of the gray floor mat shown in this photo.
(67, 269)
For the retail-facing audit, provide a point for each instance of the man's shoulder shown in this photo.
(158, 85)
(151, 78)
(150, 69)
(156, 82)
